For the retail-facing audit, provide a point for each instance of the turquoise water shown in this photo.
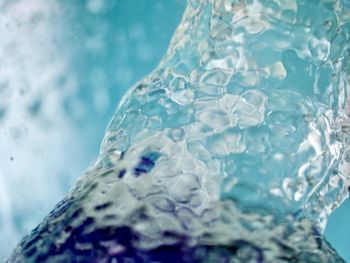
(337, 231)
(121, 51)
(90, 53)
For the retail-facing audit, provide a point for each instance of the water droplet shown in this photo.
(177, 134)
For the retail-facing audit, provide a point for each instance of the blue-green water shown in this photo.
(111, 48)
(86, 54)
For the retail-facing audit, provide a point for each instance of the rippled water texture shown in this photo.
(233, 148)
(64, 66)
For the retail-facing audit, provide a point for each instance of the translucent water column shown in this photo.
(234, 149)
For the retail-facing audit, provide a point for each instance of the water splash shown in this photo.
(235, 147)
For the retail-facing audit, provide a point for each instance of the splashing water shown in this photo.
(234, 149)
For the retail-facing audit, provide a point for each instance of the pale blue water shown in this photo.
(116, 47)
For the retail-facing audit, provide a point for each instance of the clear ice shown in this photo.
(234, 149)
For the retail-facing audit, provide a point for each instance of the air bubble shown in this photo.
(177, 134)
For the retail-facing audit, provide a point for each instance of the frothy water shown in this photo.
(234, 148)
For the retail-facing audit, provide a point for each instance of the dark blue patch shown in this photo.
(60, 208)
(178, 252)
(103, 206)
(122, 156)
(68, 229)
(318, 237)
(146, 163)
(33, 238)
(315, 232)
(30, 252)
(76, 213)
(42, 257)
(87, 222)
(121, 173)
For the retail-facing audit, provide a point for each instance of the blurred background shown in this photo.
(64, 65)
